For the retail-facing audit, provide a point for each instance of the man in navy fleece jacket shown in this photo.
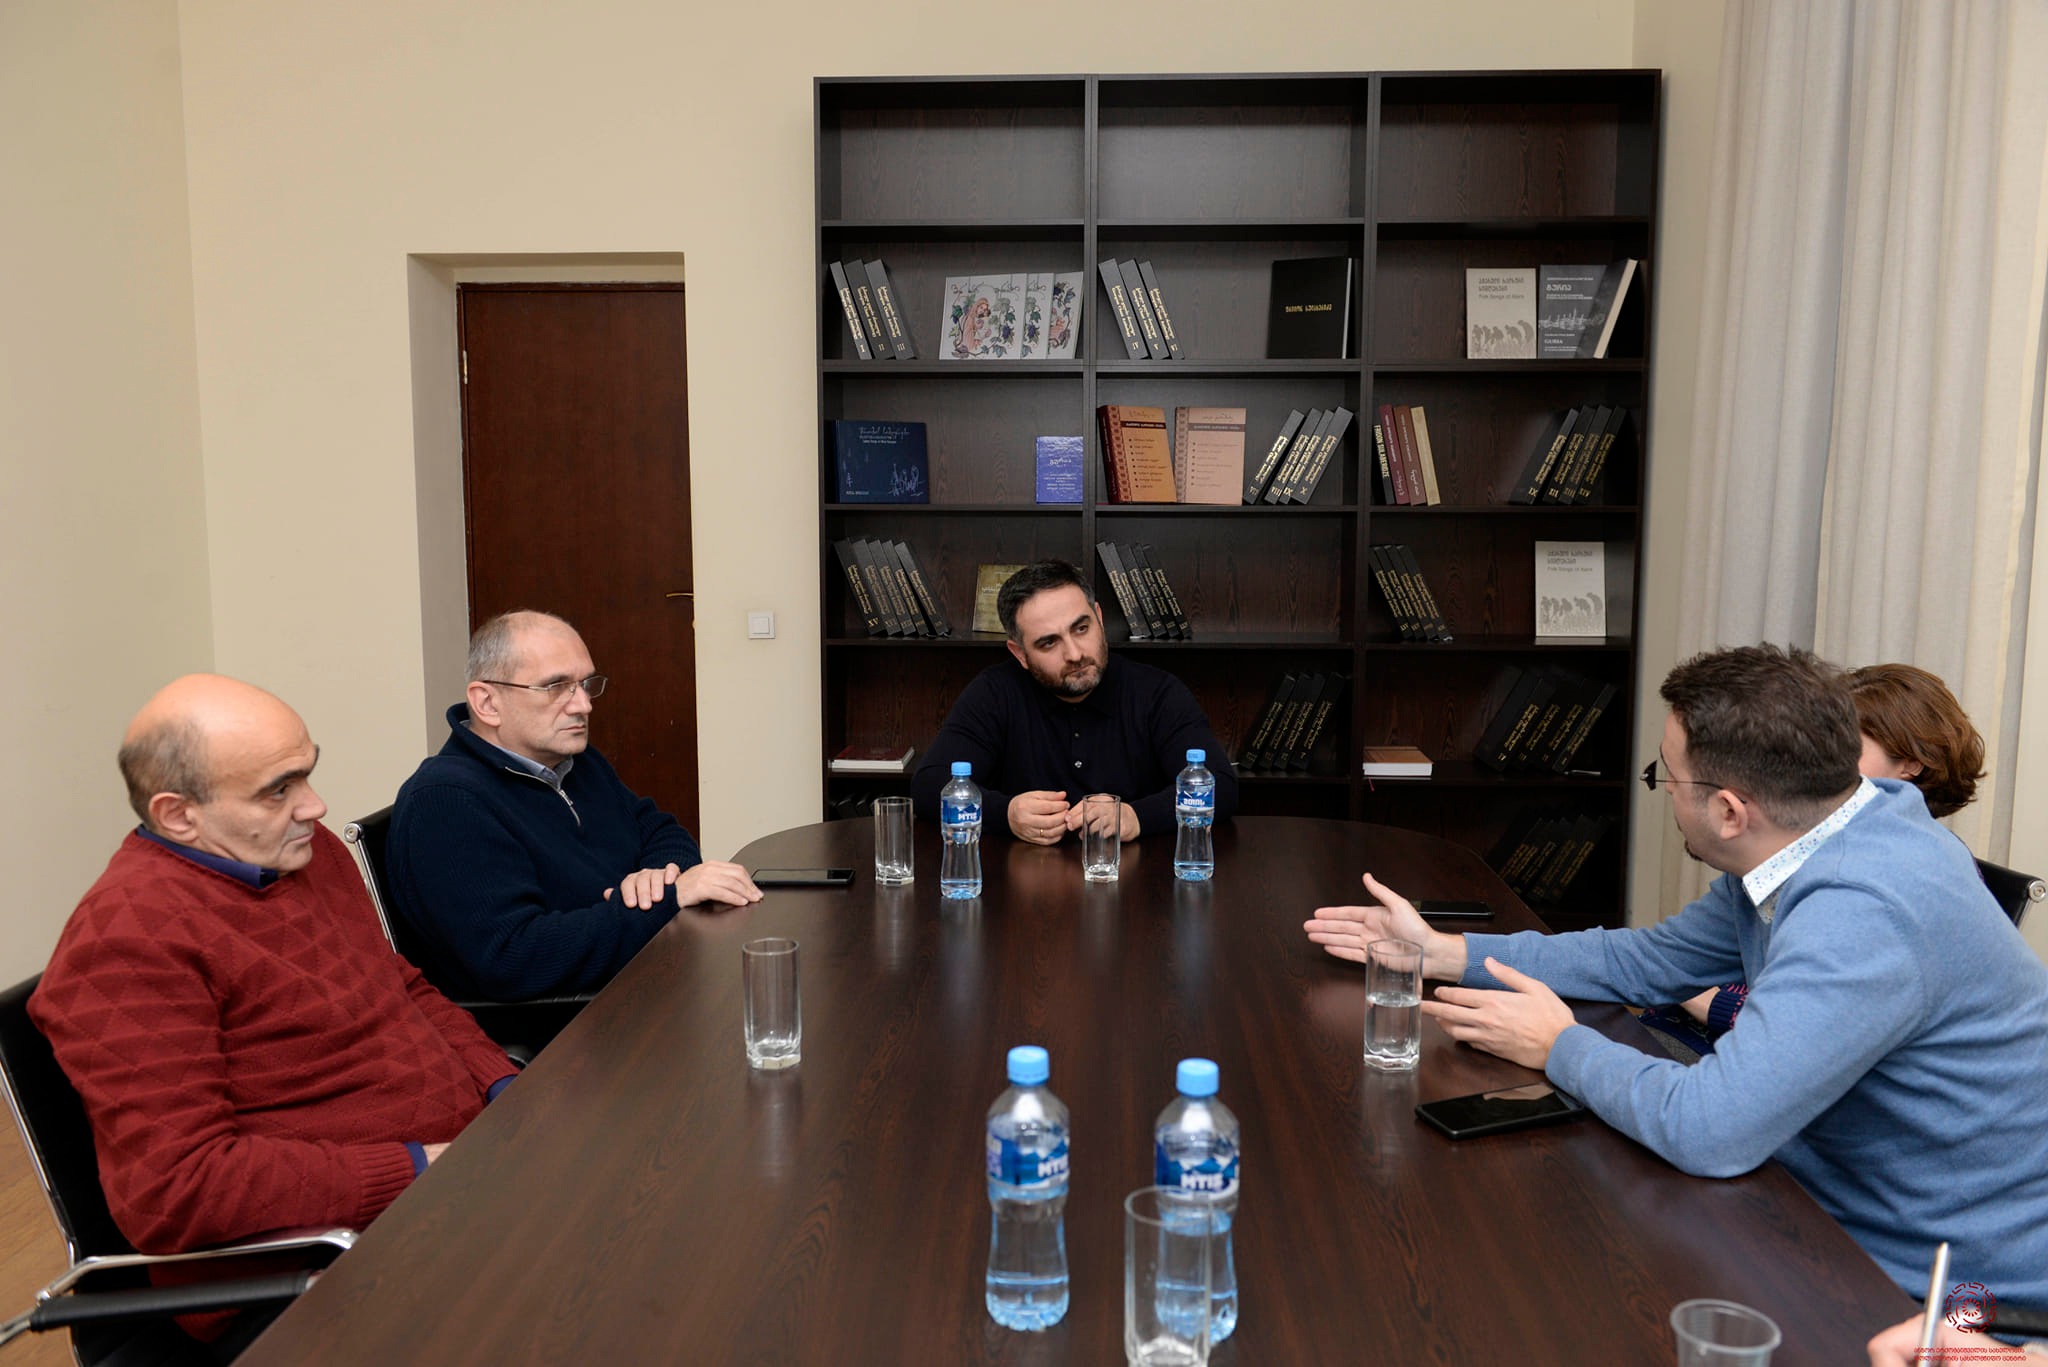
(1893, 1054)
(522, 863)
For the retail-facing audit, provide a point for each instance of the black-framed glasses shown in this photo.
(558, 691)
(1652, 780)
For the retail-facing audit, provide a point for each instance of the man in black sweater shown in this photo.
(1065, 720)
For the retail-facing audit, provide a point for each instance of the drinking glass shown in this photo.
(1167, 1236)
(1722, 1334)
(895, 860)
(774, 1015)
(1393, 1005)
(1102, 818)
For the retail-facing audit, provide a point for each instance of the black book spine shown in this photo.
(1425, 601)
(1159, 314)
(1533, 742)
(1524, 718)
(1573, 695)
(1333, 692)
(881, 589)
(851, 309)
(1597, 463)
(1148, 596)
(1588, 719)
(1388, 578)
(1564, 476)
(1141, 309)
(1126, 595)
(1307, 693)
(894, 326)
(1297, 455)
(864, 296)
(1318, 461)
(905, 598)
(856, 581)
(1120, 306)
(1262, 734)
(1379, 446)
(1543, 459)
(1176, 621)
(927, 601)
(1503, 720)
(1269, 464)
(1511, 839)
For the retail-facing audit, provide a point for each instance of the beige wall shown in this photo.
(103, 556)
(328, 145)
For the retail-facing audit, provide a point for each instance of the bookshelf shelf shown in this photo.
(1417, 176)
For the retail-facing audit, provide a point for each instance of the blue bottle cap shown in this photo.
(961, 768)
(1197, 756)
(1031, 1065)
(1196, 1077)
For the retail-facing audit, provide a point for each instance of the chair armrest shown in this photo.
(162, 1302)
(334, 1241)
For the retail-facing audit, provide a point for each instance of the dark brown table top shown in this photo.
(641, 1196)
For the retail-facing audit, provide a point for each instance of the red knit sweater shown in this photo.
(251, 1059)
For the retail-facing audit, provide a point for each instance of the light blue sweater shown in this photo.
(1893, 1054)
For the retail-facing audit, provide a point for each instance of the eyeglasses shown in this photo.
(558, 691)
(1651, 780)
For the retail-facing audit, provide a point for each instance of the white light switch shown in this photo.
(760, 626)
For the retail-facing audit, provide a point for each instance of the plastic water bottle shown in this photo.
(1195, 1151)
(1194, 813)
(1027, 1195)
(960, 830)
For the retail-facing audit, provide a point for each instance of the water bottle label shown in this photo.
(1197, 800)
(1019, 1168)
(1210, 1176)
(956, 813)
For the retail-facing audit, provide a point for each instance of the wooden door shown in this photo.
(576, 476)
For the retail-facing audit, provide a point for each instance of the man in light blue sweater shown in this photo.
(1893, 1053)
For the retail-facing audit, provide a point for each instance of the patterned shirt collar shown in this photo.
(1763, 881)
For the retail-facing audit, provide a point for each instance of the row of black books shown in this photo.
(894, 597)
(1399, 576)
(1543, 853)
(1545, 721)
(1566, 465)
(874, 316)
(1295, 463)
(1146, 600)
(1140, 311)
(1286, 732)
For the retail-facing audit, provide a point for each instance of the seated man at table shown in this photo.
(1893, 1053)
(517, 857)
(251, 1054)
(1062, 719)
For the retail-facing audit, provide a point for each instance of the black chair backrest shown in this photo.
(2014, 891)
(53, 1124)
(368, 837)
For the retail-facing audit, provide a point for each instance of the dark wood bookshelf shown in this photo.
(1417, 176)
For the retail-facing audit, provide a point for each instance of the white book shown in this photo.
(1063, 314)
(984, 317)
(1571, 588)
(1037, 309)
(1500, 314)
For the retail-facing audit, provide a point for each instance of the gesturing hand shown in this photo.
(1346, 931)
(1520, 1024)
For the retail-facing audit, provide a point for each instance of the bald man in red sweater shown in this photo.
(252, 1054)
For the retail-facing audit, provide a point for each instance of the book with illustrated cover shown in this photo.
(1063, 314)
(873, 759)
(895, 327)
(1120, 310)
(864, 298)
(1141, 309)
(1159, 313)
(1208, 454)
(1564, 304)
(880, 462)
(983, 318)
(1037, 306)
(1571, 588)
(1269, 464)
(1308, 314)
(1059, 469)
(1500, 314)
(849, 306)
(988, 583)
(1396, 761)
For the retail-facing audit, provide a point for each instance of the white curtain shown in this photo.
(1871, 375)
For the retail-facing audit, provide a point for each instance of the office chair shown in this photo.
(2015, 891)
(122, 1320)
(523, 1028)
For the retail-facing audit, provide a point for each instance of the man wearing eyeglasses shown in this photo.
(521, 861)
(1893, 1052)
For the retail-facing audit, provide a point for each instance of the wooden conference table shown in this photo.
(640, 1196)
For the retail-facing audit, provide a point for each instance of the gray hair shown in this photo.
(169, 758)
(493, 650)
